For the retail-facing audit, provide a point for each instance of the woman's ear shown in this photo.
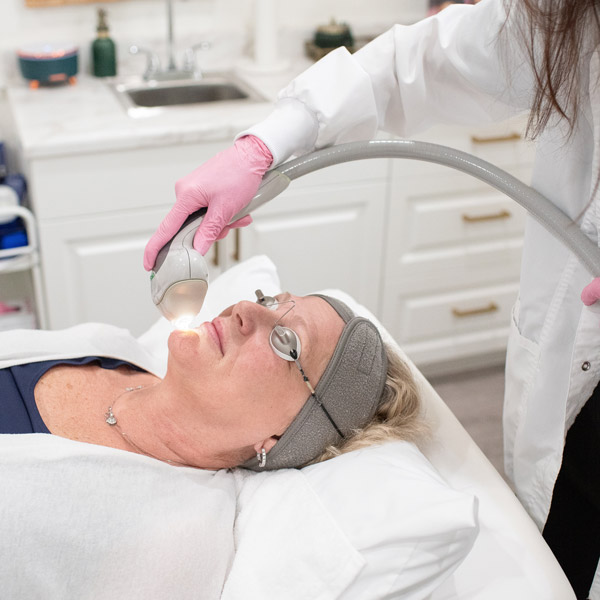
(266, 444)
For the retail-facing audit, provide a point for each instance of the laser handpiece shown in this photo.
(179, 279)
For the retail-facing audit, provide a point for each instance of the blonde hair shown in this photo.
(398, 416)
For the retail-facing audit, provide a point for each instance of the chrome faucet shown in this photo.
(170, 42)
(189, 66)
(152, 63)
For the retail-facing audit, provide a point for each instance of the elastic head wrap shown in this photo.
(350, 389)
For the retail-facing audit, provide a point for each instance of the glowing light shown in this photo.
(183, 322)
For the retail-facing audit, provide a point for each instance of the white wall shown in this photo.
(227, 23)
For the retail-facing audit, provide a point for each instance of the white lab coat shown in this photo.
(454, 68)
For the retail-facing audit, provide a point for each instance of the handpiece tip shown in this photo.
(183, 322)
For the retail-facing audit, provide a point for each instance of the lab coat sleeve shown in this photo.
(462, 66)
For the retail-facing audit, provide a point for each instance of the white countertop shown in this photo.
(88, 117)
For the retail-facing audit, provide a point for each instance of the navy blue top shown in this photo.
(18, 410)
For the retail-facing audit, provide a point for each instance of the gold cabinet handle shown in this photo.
(236, 249)
(503, 214)
(490, 308)
(215, 257)
(511, 137)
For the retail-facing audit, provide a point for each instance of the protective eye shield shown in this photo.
(349, 389)
(284, 341)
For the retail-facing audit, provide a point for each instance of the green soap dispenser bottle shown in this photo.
(104, 55)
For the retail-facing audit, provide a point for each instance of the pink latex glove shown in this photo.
(591, 292)
(225, 184)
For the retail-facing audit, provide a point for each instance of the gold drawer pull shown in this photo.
(490, 308)
(215, 258)
(511, 137)
(503, 214)
(236, 250)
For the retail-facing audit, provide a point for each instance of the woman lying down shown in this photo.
(276, 383)
(105, 507)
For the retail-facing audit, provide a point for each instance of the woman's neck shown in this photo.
(155, 419)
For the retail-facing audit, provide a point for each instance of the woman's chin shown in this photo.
(183, 341)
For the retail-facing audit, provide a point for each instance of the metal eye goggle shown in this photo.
(284, 341)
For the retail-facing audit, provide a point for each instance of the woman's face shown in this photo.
(240, 387)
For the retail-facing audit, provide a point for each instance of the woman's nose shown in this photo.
(248, 316)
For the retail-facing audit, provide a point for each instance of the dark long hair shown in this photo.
(554, 33)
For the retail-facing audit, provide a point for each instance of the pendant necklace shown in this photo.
(111, 420)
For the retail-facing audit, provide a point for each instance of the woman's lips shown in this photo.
(215, 332)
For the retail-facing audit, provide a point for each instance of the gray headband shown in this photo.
(349, 389)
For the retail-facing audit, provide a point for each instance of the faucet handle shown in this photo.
(189, 58)
(152, 61)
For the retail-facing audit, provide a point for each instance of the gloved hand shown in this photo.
(225, 184)
(591, 293)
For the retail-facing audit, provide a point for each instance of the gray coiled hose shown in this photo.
(548, 215)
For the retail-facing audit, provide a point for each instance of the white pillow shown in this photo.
(411, 529)
(422, 529)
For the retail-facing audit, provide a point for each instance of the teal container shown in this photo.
(47, 63)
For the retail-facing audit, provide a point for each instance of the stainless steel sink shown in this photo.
(141, 97)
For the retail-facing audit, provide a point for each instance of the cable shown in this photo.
(544, 211)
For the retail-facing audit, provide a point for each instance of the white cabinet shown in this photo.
(453, 253)
(432, 252)
(326, 231)
(95, 214)
(92, 269)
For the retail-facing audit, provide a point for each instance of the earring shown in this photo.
(262, 458)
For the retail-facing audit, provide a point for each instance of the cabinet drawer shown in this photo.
(462, 217)
(454, 354)
(501, 144)
(455, 268)
(457, 313)
(112, 181)
(357, 171)
(145, 178)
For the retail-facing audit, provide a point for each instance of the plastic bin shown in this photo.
(19, 316)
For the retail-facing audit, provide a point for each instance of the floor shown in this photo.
(476, 399)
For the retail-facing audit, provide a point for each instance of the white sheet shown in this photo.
(84, 521)
(109, 508)
(288, 545)
(510, 559)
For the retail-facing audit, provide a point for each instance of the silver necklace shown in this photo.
(111, 420)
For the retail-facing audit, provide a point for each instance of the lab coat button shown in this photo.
(586, 366)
